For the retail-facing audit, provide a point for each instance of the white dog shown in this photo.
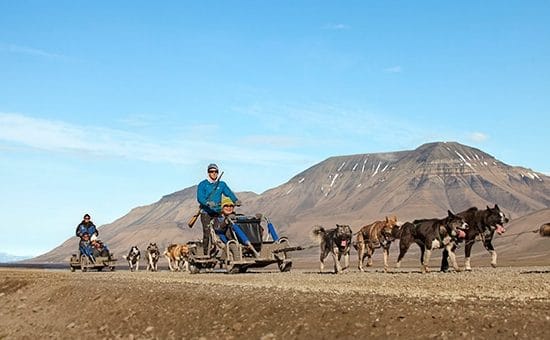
(133, 258)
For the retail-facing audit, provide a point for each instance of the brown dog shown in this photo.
(545, 229)
(177, 255)
(375, 235)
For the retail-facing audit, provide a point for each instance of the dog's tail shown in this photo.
(168, 249)
(317, 233)
(125, 257)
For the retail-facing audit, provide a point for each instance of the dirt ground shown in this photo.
(488, 303)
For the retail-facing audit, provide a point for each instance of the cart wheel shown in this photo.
(72, 269)
(112, 268)
(84, 263)
(233, 269)
(285, 266)
(230, 260)
(284, 255)
(193, 269)
(243, 269)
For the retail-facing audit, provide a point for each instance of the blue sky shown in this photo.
(108, 105)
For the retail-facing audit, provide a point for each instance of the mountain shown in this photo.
(355, 190)
(424, 182)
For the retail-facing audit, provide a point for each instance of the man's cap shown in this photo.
(227, 201)
(212, 166)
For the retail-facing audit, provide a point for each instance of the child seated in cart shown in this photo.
(99, 249)
(224, 227)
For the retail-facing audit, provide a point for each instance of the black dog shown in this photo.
(133, 258)
(431, 234)
(483, 223)
(335, 241)
(153, 255)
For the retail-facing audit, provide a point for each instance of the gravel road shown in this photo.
(511, 302)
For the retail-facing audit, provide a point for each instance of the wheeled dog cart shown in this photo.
(237, 258)
(84, 263)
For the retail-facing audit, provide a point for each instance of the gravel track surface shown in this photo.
(486, 303)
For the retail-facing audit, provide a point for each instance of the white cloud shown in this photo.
(337, 27)
(350, 129)
(478, 137)
(30, 51)
(62, 137)
(394, 69)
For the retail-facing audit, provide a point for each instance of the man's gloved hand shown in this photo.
(211, 204)
(238, 203)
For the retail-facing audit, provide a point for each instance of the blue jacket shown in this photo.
(205, 188)
(86, 228)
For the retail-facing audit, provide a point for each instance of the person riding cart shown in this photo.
(90, 245)
(99, 248)
(209, 196)
(93, 253)
(225, 228)
(86, 230)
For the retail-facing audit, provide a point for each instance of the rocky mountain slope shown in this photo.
(411, 184)
(355, 190)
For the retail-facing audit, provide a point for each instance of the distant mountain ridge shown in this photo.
(353, 189)
(8, 258)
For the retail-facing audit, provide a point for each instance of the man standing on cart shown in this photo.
(87, 232)
(209, 196)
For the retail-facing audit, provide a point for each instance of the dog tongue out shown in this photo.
(500, 229)
(461, 234)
